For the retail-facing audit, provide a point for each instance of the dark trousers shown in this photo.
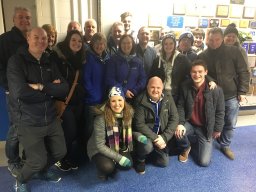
(43, 145)
(71, 121)
(106, 166)
(12, 141)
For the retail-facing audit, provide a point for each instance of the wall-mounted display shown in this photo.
(203, 23)
(192, 9)
(249, 12)
(214, 23)
(224, 22)
(222, 11)
(252, 48)
(191, 22)
(241, 2)
(235, 11)
(243, 23)
(207, 9)
(175, 21)
(179, 9)
(253, 24)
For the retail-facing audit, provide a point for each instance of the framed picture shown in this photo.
(241, 2)
(214, 23)
(253, 24)
(175, 21)
(235, 11)
(243, 23)
(203, 23)
(249, 12)
(192, 9)
(224, 22)
(222, 11)
(179, 9)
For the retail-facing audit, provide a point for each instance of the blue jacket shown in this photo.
(94, 78)
(118, 68)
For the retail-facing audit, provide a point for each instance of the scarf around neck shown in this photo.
(113, 134)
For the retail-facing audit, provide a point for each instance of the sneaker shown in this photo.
(20, 187)
(15, 168)
(140, 167)
(183, 157)
(47, 176)
(72, 165)
(227, 151)
(63, 166)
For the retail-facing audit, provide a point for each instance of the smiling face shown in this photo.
(22, 20)
(99, 46)
(198, 73)
(126, 45)
(168, 46)
(127, 23)
(198, 40)
(116, 103)
(75, 43)
(117, 32)
(155, 88)
(143, 36)
(37, 41)
(214, 40)
(230, 39)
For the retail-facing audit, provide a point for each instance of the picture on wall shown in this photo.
(241, 2)
(235, 11)
(249, 12)
(243, 23)
(222, 11)
(214, 23)
(179, 9)
(224, 22)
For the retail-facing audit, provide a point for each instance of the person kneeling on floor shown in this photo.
(201, 115)
(156, 118)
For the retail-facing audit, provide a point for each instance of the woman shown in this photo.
(94, 79)
(125, 69)
(171, 66)
(52, 36)
(111, 142)
(70, 58)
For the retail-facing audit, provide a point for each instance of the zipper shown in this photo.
(45, 106)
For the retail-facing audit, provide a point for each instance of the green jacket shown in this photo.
(144, 117)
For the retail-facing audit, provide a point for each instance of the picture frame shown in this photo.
(235, 11)
(214, 23)
(224, 22)
(249, 12)
(253, 24)
(243, 23)
(222, 10)
(179, 9)
(241, 2)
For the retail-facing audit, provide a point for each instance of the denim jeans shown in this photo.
(203, 146)
(231, 112)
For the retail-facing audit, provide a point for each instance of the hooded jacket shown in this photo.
(33, 107)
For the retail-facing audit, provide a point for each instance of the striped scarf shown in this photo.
(113, 134)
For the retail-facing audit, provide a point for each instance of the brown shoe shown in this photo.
(228, 153)
(183, 157)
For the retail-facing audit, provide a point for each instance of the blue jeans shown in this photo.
(231, 112)
(203, 145)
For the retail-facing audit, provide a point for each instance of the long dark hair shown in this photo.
(79, 57)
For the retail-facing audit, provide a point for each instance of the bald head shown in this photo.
(73, 25)
(37, 41)
(155, 88)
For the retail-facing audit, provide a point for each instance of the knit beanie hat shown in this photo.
(187, 34)
(116, 91)
(231, 28)
(171, 36)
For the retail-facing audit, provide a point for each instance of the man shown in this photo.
(33, 82)
(126, 19)
(117, 30)
(186, 41)
(90, 28)
(199, 36)
(144, 51)
(73, 25)
(227, 66)
(201, 114)
(9, 43)
(156, 118)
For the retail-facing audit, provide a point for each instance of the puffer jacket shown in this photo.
(144, 117)
(214, 107)
(34, 107)
(227, 67)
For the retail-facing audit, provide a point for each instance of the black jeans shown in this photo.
(43, 145)
(12, 141)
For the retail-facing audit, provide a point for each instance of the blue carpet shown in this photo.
(223, 175)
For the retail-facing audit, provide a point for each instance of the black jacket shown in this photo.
(214, 107)
(33, 107)
(227, 66)
(9, 43)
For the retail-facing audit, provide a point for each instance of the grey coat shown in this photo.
(97, 142)
(144, 117)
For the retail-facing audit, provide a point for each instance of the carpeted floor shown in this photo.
(223, 175)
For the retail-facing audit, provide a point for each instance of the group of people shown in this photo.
(126, 103)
